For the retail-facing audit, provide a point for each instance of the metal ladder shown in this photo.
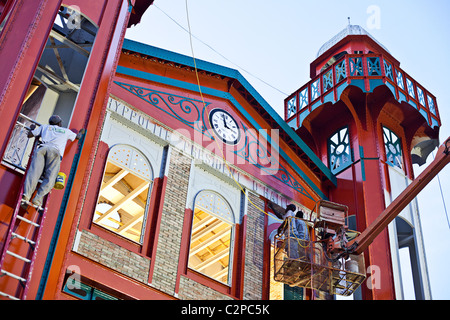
(34, 232)
(16, 240)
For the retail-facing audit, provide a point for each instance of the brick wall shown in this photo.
(191, 290)
(254, 249)
(113, 256)
(169, 241)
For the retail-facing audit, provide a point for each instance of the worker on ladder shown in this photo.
(46, 159)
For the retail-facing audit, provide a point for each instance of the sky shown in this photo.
(272, 44)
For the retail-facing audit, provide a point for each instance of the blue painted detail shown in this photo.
(327, 80)
(189, 111)
(293, 123)
(388, 70)
(303, 96)
(413, 104)
(421, 96)
(393, 148)
(340, 155)
(228, 72)
(341, 72)
(410, 86)
(400, 80)
(363, 168)
(356, 67)
(391, 87)
(373, 66)
(424, 114)
(329, 98)
(315, 90)
(358, 83)
(434, 123)
(373, 83)
(401, 97)
(303, 116)
(315, 105)
(431, 105)
(292, 106)
(341, 89)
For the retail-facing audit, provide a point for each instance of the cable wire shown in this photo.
(217, 52)
(442, 196)
(204, 109)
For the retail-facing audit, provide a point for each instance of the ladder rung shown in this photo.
(27, 221)
(8, 296)
(18, 256)
(12, 275)
(18, 236)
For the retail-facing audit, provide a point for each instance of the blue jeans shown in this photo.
(46, 161)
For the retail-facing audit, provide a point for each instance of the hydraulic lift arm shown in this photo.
(377, 226)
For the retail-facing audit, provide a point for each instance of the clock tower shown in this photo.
(369, 121)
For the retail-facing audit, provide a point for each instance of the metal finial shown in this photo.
(348, 20)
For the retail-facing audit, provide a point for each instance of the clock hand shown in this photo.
(224, 121)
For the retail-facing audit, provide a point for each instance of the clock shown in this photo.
(224, 126)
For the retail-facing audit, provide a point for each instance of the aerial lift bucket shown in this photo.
(313, 264)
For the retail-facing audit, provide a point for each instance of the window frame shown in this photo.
(148, 203)
(231, 248)
(350, 161)
(17, 141)
(235, 288)
(398, 142)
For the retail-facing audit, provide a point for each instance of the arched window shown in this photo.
(393, 148)
(212, 237)
(122, 201)
(339, 151)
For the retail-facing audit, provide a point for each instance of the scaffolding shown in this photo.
(322, 261)
(312, 269)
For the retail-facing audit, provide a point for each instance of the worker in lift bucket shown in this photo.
(297, 233)
(46, 159)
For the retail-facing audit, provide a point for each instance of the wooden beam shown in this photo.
(130, 224)
(213, 259)
(61, 38)
(116, 178)
(201, 223)
(50, 74)
(206, 230)
(205, 244)
(403, 199)
(129, 197)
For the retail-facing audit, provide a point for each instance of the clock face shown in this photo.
(224, 125)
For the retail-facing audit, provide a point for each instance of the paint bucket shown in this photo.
(60, 181)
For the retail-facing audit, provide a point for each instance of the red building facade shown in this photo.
(167, 193)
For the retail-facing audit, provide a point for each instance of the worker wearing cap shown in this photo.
(46, 159)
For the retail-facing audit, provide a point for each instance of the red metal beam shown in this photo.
(377, 226)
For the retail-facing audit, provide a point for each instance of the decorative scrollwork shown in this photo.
(191, 112)
(258, 154)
